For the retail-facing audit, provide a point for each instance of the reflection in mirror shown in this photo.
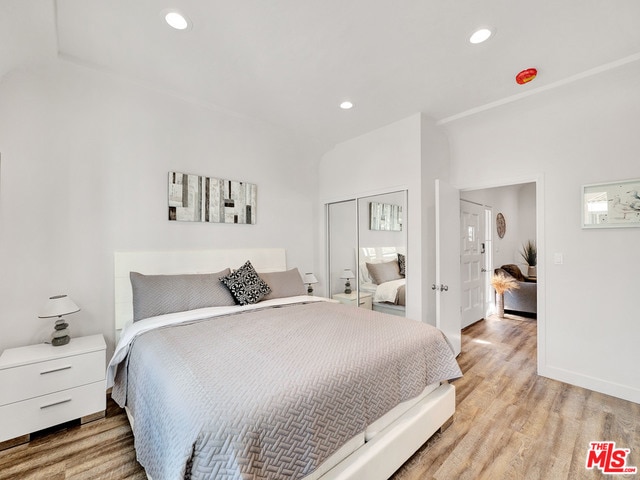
(347, 276)
(342, 224)
(382, 251)
(385, 216)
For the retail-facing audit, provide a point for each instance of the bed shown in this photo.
(382, 274)
(292, 386)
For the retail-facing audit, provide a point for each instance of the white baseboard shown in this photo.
(617, 390)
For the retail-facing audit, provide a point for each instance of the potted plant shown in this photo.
(502, 283)
(530, 255)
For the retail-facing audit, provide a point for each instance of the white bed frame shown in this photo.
(376, 459)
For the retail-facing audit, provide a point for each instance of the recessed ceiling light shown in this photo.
(480, 35)
(346, 105)
(176, 20)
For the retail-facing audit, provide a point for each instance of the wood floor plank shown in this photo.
(509, 424)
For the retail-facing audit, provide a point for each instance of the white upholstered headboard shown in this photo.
(188, 261)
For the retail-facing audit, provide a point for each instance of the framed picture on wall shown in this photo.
(611, 205)
(195, 198)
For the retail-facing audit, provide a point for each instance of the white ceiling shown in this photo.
(27, 34)
(291, 62)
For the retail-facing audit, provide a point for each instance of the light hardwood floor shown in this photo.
(512, 424)
(509, 424)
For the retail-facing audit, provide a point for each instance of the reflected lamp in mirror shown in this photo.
(347, 275)
(57, 306)
(310, 279)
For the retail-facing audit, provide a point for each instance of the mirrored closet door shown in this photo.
(342, 249)
(367, 251)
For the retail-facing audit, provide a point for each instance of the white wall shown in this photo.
(84, 171)
(584, 132)
(526, 214)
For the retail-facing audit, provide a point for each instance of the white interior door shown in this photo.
(447, 286)
(472, 253)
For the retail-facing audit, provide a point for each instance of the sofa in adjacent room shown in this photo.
(523, 299)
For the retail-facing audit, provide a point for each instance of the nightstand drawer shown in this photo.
(20, 418)
(41, 378)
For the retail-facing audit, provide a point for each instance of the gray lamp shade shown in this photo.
(57, 306)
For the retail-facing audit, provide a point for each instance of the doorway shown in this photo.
(521, 209)
(516, 205)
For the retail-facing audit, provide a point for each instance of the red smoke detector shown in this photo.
(525, 76)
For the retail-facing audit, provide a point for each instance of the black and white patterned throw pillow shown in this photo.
(245, 285)
(401, 263)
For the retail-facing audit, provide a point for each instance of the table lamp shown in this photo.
(309, 279)
(57, 306)
(347, 275)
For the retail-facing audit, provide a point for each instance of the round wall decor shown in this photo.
(501, 225)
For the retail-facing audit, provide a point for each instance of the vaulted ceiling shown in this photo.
(291, 62)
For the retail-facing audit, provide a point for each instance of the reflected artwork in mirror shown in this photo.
(385, 216)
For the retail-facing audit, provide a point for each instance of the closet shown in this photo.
(367, 240)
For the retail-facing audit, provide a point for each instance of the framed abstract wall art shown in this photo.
(385, 216)
(610, 205)
(194, 198)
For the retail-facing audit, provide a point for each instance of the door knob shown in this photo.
(441, 287)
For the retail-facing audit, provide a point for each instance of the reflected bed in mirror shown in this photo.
(382, 274)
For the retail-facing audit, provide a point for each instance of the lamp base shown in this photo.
(347, 287)
(59, 341)
(60, 335)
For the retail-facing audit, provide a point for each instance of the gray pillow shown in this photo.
(159, 294)
(283, 284)
(245, 285)
(384, 272)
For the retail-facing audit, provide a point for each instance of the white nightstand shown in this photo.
(44, 386)
(352, 299)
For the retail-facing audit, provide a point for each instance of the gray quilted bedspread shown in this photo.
(271, 394)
